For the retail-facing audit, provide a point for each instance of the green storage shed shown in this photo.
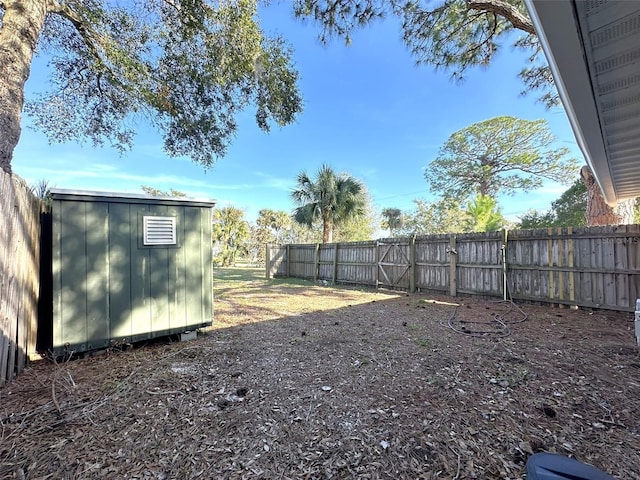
(126, 268)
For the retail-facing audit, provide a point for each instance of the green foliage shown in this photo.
(355, 229)
(537, 219)
(42, 190)
(567, 211)
(454, 35)
(189, 66)
(499, 155)
(299, 233)
(442, 216)
(483, 215)
(273, 223)
(393, 220)
(571, 207)
(329, 198)
(358, 228)
(156, 192)
(270, 228)
(230, 235)
(446, 215)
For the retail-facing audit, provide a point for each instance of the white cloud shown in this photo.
(270, 181)
(105, 174)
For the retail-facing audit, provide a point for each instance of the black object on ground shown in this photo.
(549, 466)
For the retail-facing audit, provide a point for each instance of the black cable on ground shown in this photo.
(499, 323)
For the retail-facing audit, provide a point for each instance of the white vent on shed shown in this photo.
(159, 230)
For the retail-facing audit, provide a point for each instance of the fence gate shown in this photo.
(394, 265)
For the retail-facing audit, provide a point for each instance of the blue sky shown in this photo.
(368, 110)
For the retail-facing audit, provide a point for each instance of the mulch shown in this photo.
(415, 387)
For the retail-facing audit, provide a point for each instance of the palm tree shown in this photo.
(393, 220)
(42, 190)
(230, 235)
(329, 197)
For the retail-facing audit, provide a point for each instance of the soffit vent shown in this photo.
(621, 117)
(620, 102)
(592, 6)
(615, 31)
(617, 61)
(619, 84)
(622, 135)
(159, 230)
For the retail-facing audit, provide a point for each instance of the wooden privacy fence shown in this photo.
(589, 267)
(19, 274)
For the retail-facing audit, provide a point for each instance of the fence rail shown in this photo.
(590, 267)
(19, 274)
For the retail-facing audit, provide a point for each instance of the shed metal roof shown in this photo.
(593, 48)
(118, 197)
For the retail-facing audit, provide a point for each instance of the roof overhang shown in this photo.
(121, 197)
(593, 49)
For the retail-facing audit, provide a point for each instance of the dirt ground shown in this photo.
(303, 381)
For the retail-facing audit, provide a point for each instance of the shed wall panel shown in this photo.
(97, 275)
(120, 308)
(206, 266)
(159, 280)
(194, 273)
(56, 277)
(177, 266)
(140, 282)
(72, 323)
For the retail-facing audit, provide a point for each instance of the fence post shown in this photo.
(288, 261)
(637, 322)
(453, 260)
(505, 292)
(267, 261)
(316, 267)
(335, 263)
(377, 264)
(552, 287)
(572, 281)
(560, 247)
(412, 264)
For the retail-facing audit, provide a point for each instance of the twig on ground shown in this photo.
(458, 471)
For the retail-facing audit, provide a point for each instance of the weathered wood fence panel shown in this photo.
(276, 261)
(302, 261)
(326, 259)
(19, 274)
(394, 266)
(479, 263)
(356, 263)
(433, 262)
(591, 267)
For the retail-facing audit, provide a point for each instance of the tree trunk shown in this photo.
(327, 230)
(22, 23)
(598, 212)
(484, 183)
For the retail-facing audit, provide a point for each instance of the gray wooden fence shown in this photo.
(19, 274)
(589, 267)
